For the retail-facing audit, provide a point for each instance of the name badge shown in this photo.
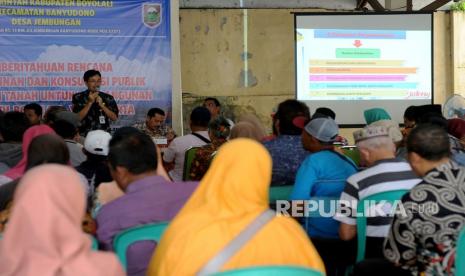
(160, 141)
(101, 119)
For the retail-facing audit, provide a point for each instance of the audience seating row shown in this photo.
(154, 232)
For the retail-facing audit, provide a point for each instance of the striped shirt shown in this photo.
(385, 175)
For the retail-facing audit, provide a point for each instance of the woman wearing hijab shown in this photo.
(18, 170)
(44, 235)
(218, 131)
(246, 130)
(259, 129)
(232, 194)
(47, 148)
(375, 114)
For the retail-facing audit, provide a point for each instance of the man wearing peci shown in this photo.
(95, 108)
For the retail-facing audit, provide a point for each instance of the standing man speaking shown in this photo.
(95, 108)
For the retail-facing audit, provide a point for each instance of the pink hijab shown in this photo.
(44, 236)
(31, 133)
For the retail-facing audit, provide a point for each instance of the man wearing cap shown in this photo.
(322, 175)
(385, 173)
(95, 167)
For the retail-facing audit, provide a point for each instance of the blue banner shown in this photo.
(47, 45)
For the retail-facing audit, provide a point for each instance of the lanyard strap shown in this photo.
(217, 262)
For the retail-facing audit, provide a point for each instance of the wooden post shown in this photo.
(458, 56)
(361, 4)
(409, 5)
(376, 5)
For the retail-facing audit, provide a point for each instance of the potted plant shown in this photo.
(458, 6)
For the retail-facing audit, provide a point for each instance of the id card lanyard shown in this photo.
(101, 118)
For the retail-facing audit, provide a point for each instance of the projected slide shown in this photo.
(361, 64)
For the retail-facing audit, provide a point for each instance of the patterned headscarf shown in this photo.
(219, 128)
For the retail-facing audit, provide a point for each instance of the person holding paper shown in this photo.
(155, 127)
(95, 108)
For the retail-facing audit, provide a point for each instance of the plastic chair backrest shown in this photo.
(353, 153)
(387, 197)
(94, 243)
(271, 271)
(147, 232)
(460, 254)
(280, 193)
(188, 158)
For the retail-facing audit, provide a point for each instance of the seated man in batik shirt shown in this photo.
(424, 232)
(155, 126)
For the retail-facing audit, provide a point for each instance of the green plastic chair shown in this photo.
(188, 158)
(94, 242)
(271, 271)
(388, 197)
(147, 232)
(280, 193)
(353, 153)
(460, 254)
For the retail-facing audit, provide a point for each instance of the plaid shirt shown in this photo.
(92, 121)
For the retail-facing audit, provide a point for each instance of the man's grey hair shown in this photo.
(376, 143)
